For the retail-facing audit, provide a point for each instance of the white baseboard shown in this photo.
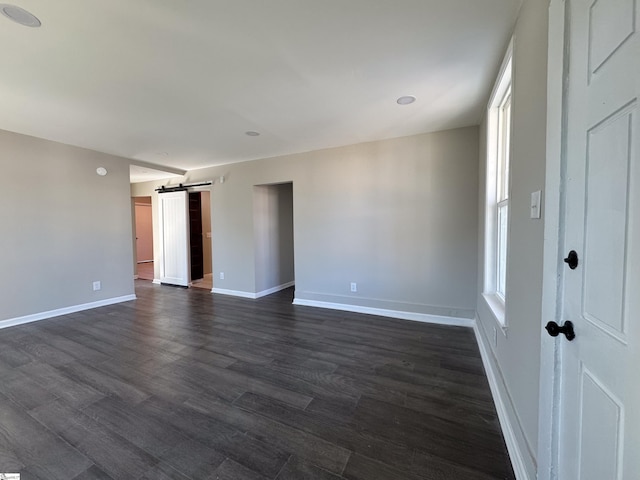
(234, 293)
(157, 281)
(274, 289)
(416, 317)
(251, 295)
(135, 277)
(64, 311)
(503, 407)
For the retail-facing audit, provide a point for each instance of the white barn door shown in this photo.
(599, 435)
(174, 238)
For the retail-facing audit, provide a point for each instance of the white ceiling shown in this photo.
(179, 83)
(139, 174)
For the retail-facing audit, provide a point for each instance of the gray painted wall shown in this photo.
(63, 226)
(399, 217)
(517, 352)
(273, 235)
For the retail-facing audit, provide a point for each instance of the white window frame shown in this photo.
(502, 188)
(499, 135)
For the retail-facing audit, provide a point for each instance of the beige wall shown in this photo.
(516, 355)
(399, 217)
(63, 226)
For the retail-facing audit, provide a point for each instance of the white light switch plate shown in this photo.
(535, 204)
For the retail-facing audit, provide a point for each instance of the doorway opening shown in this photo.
(144, 238)
(200, 239)
(273, 238)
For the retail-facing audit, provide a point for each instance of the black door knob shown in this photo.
(567, 329)
(572, 260)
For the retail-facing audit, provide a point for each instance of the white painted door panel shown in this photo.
(600, 386)
(174, 238)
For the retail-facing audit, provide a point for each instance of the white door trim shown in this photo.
(550, 359)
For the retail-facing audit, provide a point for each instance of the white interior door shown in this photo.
(174, 238)
(599, 434)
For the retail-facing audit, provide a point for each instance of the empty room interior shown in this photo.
(289, 240)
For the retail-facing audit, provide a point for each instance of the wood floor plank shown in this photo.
(297, 469)
(443, 469)
(163, 471)
(22, 390)
(70, 347)
(57, 383)
(239, 446)
(327, 428)
(102, 382)
(192, 458)
(407, 384)
(365, 468)
(314, 383)
(397, 422)
(307, 446)
(45, 454)
(236, 380)
(477, 414)
(92, 473)
(147, 433)
(185, 385)
(9, 461)
(445, 439)
(230, 470)
(12, 356)
(109, 451)
(38, 350)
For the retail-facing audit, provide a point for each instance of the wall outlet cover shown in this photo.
(535, 204)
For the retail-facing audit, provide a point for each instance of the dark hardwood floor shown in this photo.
(183, 384)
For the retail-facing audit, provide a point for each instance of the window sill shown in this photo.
(496, 305)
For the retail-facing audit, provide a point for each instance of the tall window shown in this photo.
(497, 191)
(502, 194)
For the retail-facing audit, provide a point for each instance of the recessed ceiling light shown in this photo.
(19, 15)
(406, 100)
(252, 133)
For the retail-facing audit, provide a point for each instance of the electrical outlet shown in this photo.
(354, 287)
(97, 286)
(221, 275)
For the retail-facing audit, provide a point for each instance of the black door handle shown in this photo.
(567, 329)
(572, 260)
